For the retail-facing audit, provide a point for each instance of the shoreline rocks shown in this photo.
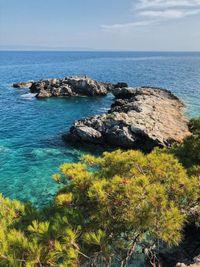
(140, 118)
(67, 87)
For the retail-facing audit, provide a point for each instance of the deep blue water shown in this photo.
(31, 147)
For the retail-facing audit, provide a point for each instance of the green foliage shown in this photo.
(189, 152)
(107, 208)
(126, 197)
(36, 243)
(194, 126)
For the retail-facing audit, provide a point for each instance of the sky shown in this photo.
(123, 25)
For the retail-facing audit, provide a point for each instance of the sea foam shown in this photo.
(28, 96)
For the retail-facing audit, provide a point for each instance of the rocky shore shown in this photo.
(139, 118)
(69, 86)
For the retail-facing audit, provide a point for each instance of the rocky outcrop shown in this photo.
(69, 87)
(72, 86)
(139, 118)
(22, 85)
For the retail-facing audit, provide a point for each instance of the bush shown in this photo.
(30, 238)
(189, 152)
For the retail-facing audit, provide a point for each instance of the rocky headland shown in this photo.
(139, 118)
(69, 86)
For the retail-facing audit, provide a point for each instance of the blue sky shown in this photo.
(100, 24)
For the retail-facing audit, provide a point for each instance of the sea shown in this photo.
(31, 145)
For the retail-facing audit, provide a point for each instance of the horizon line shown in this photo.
(93, 51)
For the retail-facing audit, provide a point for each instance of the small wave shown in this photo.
(44, 152)
(104, 109)
(28, 96)
(4, 149)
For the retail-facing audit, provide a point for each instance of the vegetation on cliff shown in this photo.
(107, 208)
(188, 152)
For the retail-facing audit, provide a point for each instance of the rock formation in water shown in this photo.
(139, 118)
(72, 86)
(23, 85)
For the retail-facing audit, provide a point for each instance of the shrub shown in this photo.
(125, 199)
(189, 151)
(41, 242)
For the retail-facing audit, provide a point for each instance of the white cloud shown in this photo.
(148, 12)
(123, 26)
(160, 4)
(169, 13)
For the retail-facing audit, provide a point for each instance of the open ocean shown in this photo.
(31, 147)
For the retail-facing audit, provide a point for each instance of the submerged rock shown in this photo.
(139, 118)
(69, 86)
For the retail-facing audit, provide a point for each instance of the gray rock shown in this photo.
(66, 90)
(123, 92)
(44, 94)
(143, 118)
(72, 86)
(121, 85)
(36, 87)
(87, 86)
(86, 133)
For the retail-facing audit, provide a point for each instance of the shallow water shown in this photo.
(31, 147)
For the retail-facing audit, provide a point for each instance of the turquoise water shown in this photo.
(31, 147)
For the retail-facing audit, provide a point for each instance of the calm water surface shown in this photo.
(31, 147)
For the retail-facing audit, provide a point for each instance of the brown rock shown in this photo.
(22, 85)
